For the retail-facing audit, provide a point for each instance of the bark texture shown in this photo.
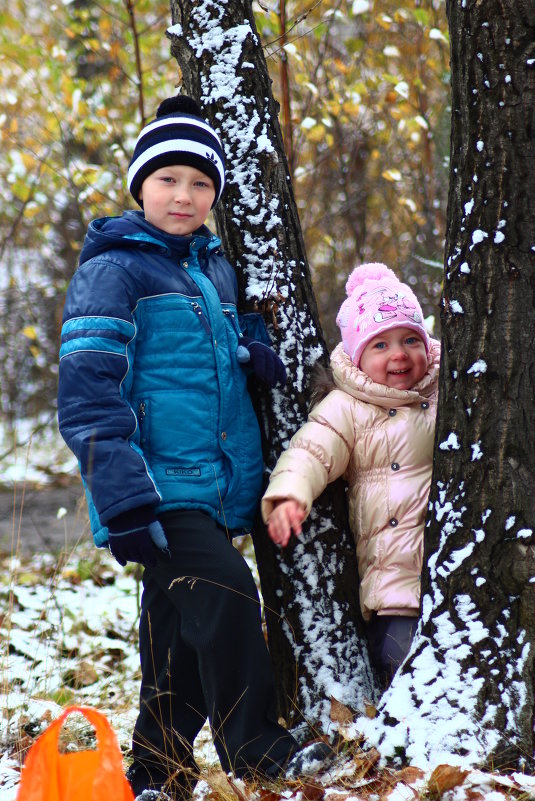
(310, 589)
(468, 681)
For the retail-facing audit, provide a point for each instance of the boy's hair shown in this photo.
(178, 135)
(377, 302)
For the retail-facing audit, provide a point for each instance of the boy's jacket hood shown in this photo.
(132, 230)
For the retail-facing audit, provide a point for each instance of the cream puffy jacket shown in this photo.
(381, 441)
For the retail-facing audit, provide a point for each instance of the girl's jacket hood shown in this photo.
(380, 440)
(350, 379)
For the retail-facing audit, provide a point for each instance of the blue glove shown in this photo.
(135, 535)
(264, 361)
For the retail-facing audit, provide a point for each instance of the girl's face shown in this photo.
(177, 199)
(396, 358)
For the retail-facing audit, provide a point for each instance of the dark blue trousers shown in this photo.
(203, 655)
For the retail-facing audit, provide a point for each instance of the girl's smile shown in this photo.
(396, 358)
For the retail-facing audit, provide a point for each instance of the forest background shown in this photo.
(364, 107)
(364, 94)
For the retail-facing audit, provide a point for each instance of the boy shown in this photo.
(153, 401)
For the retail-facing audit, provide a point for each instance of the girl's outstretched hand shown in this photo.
(286, 517)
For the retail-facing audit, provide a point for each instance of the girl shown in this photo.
(375, 427)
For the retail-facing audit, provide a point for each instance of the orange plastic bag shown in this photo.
(94, 775)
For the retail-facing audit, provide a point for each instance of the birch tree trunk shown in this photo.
(467, 686)
(310, 588)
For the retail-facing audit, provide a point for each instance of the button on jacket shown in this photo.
(380, 440)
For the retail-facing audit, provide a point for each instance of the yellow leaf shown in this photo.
(409, 202)
(384, 21)
(30, 332)
(28, 160)
(21, 191)
(316, 134)
(344, 69)
(392, 175)
(31, 210)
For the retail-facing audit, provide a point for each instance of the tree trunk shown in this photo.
(467, 685)
(310, 589)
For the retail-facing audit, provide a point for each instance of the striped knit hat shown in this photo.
(178, 135)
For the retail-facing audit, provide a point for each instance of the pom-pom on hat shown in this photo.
(178, 135)
(376, 302)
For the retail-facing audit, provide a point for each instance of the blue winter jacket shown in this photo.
(152, 399)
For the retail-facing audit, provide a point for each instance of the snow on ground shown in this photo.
(68, 635)
(68, 629)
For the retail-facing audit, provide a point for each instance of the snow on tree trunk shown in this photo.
(465, 693)
(309, 589)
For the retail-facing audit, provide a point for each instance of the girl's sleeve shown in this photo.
(318, 454)
(95, 419)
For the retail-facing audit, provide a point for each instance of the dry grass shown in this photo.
(68, 628)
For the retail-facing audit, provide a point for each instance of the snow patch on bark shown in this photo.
(340, 669)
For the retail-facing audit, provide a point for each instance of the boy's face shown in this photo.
(177, 199)
(396, 358)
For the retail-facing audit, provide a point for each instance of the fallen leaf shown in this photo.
(312, 791)
(340, 713)
(338, 796)
(445, 777)
(410, 774)
(370, 710)
(268, 795)
(401, 792)
(241, 795)
(365, 761)
(219, 785)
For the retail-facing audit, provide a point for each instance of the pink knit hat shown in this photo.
(376, 301)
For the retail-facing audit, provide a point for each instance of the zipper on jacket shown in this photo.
(234, 321)
(141, 414)
(205, 324)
